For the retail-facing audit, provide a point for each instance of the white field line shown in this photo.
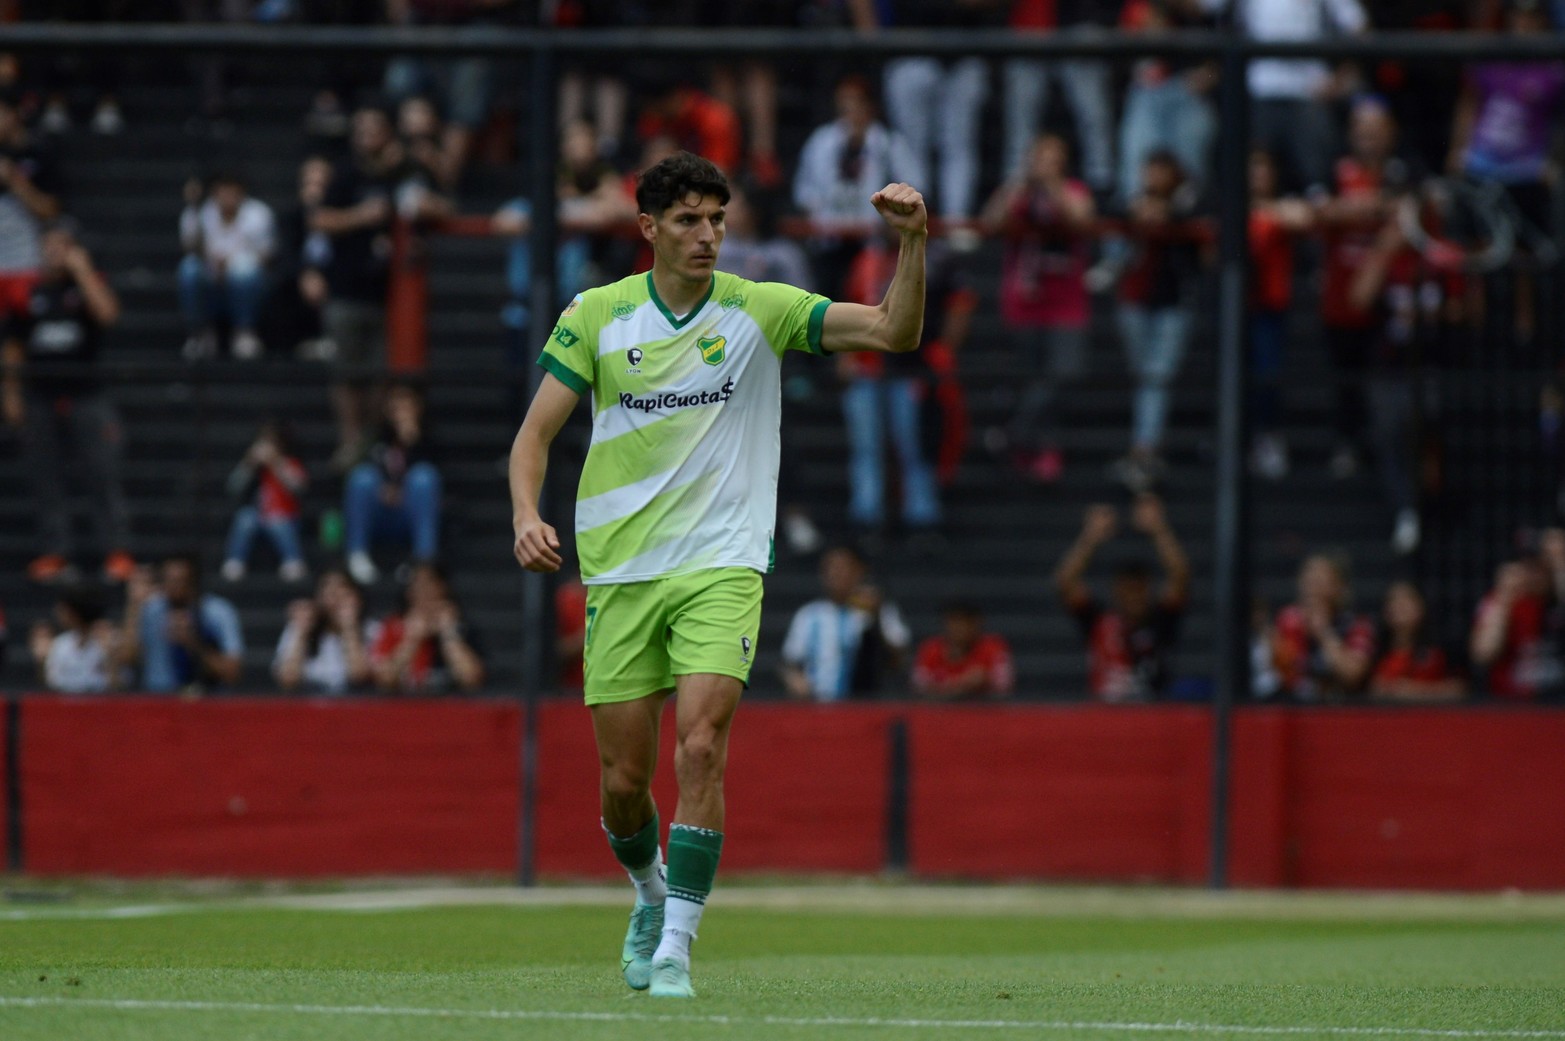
(872, 898)
(391, 1011)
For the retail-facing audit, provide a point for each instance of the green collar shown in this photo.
(679, 323)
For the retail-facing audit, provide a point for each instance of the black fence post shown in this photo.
(898, 794)
(15, 857)
(1232, 528)
(538, 670)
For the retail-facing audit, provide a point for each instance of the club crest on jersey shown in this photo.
(622, 310)
(634, 356)
(713, 349)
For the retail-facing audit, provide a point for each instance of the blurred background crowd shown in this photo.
(266, 329)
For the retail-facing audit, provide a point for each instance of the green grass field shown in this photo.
(847, 962)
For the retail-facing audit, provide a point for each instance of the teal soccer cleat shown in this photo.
(641, 939)
(670, 979)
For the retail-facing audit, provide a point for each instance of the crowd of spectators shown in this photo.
(1112, 198)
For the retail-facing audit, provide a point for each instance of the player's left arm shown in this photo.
(896, 325)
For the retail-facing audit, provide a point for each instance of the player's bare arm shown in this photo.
(537, 546)
(897, 323)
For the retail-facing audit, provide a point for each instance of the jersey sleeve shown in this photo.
(571, 353)
(791, 318)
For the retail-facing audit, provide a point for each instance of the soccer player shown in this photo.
(675, 514)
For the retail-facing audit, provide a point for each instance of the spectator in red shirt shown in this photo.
(1320, 649)
(964, 662)
(1274, 224)
(697, 122)
(268, 482)
(1508, 633)
(1411, 667)
(1130, 644)
(1046, 217)
(427, 648)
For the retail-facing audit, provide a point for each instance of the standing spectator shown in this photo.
(183, 639)
(843, 164)
(229, 239)
(1047, 218)
(1166, 104)
(355, 217)
(1130, 643)
(466, 85)
(695, 121)
(1274, 224)
(1156, 307)
(935, 106)
(1085, 82)
(1508, 638)
(1369, 179)
(427, 648)
(396, 492)
(1321, 651)
(267, 482)
(847, 643)
(78, 656)
(1410, 667)
(71, 305)
(1290, 106)
(1504, 132)
(324, 647)
(29, 199)
(886, 395)
(964, 662)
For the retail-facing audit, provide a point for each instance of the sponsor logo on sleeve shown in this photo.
(622, 310)
(564, 337)
(732, 301)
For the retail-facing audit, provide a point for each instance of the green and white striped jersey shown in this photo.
(681, 475)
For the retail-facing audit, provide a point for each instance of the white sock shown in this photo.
(651, 881)
(680, 918)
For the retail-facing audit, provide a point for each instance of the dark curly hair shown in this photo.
(676, 177)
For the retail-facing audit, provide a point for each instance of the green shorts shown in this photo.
(640, 635)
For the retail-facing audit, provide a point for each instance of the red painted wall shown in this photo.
(133, 786)
(5, 800)
(1460, 799)
(1446, 799)
(1074, 792)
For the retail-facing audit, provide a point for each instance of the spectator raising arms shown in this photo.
(1508, 637)
(1130, 644)
(324, 648)
(1320, 649)
(846, 643)
(427, 648)
(29, 199)
(1411, 667)
(229, 239)
(396, 492)
(183, 640)
(964, 662)
(267, 482)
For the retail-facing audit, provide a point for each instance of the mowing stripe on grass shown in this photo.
(134, 1005)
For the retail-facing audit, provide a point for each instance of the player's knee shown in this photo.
(700, 752)
(622, 782)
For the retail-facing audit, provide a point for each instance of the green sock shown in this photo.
(692, 861)
(638, 850)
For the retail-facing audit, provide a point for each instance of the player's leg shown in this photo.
(627, 678)
(714, 621)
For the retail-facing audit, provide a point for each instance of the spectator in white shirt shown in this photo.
(229, 239)
(847, 643)
(78, 658)
(1290, 111)
(325, 647)
(843, 163)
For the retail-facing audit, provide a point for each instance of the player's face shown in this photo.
(685, 237)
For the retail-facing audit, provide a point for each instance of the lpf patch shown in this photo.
(713, 349)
